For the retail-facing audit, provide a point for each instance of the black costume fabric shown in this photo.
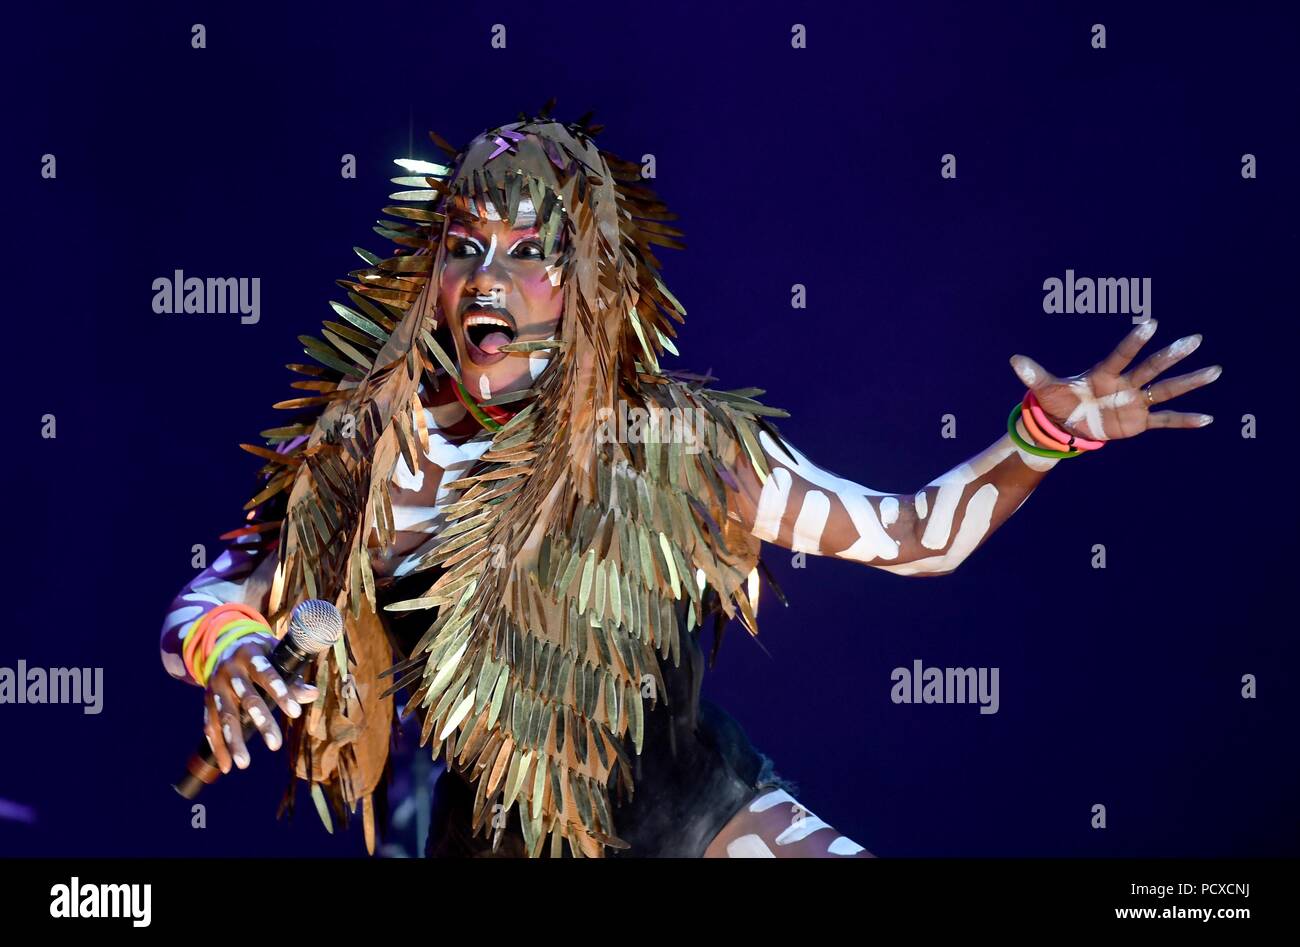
(696, 769)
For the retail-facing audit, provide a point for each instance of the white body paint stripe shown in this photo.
(810, 525)
(773, 798)
(801, 830)
(974, 526)
(844, 846)
(748, 846)
(771, 505)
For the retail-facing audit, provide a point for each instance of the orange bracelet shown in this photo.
(204, 635)
(1027, 418)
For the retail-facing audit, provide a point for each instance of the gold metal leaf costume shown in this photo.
(570, 558)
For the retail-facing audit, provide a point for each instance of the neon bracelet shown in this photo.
(1035, 433)
(229, 634)
(1054, 432)
(1025, 445)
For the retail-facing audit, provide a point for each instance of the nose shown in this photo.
(490, 278)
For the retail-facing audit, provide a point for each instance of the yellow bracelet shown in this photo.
(230, 633)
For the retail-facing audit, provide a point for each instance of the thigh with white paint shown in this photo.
(775, 825)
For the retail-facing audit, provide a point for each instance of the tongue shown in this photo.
(493, 341)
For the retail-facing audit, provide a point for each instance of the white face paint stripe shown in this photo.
(974, 526)
(525, 213)
(888, 511)
(749, 846)
(492, 249)
(801, 830)
(484, 388)
(771, 505)
(844, 846)
(811, 523)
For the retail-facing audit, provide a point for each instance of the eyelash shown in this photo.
(456, 243)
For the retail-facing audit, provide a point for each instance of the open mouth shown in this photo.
(486, 329)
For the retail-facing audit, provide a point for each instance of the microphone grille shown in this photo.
(315, 625)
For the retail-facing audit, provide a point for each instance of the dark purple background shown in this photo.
(816, 166)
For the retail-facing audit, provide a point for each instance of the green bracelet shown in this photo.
(1030, 448)
(236, 630)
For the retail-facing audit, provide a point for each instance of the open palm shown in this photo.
(1106, 403)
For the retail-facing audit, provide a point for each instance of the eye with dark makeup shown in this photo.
(463, 247)
(527, 250)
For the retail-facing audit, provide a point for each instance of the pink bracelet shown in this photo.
(1051, 430)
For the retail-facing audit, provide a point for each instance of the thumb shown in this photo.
(1030, 373)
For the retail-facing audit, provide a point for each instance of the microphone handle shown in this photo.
(201, 769)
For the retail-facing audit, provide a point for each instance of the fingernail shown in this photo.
(216, 699)
(261, 663)
(278, 688)
(273, 741)
(225, 731)
(1147, 329)
(295, 708)
(1206, 419)
(241, 760)
(1215, 372)
(237, 685)
(255, 714)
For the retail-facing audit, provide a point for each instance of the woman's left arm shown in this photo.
(804, 508)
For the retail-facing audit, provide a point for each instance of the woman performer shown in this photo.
(494, 461)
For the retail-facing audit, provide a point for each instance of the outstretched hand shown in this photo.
(1105, 403)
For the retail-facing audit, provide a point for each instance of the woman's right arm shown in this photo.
(243, 672)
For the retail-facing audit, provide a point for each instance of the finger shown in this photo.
(266, 678)
(1128, 347)
(303, 692)
(212, 730)
(1031, 374)
(1173, 387)
(231, 727)
(1165, 359)
(1175, 419)
(257, 711)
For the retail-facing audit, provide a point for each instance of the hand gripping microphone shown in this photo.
(314, 626)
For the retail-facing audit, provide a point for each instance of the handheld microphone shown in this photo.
(314, 626)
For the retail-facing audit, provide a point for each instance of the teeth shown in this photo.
(482, 319)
